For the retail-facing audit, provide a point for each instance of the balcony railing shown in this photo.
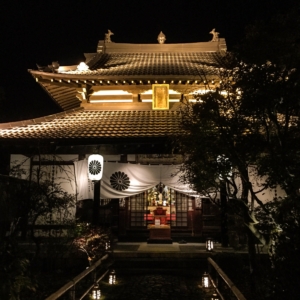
(71, 288)
(221, 282)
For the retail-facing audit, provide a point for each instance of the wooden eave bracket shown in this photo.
(56, 82)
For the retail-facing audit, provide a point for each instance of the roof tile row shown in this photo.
(116, 64)
(100, 124)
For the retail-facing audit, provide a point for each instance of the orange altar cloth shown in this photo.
(169, 217)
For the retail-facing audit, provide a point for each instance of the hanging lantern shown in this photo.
(209, 244)
(96, 293)
(112, 277)
(95, 167)
(215, 296)
(205, 281)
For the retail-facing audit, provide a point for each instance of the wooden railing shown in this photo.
(220, 280)
(70, 287)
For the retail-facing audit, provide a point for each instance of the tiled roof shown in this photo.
(153, 64)
(64, 96)
(88, 124)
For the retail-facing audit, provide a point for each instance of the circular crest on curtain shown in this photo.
(119, 181)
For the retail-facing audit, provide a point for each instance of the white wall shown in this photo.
(265, 195)
(63, 175)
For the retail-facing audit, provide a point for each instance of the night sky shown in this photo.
(42, 31)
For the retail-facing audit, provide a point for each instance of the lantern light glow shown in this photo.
(107, 245)
(112, 277)
(95, 167)
(215, 296)
(205, 280)
(209, 244)
(96, 292)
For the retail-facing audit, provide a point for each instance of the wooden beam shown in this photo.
(67, 99)
(56, 83)
(62, 93)
(111, 97)
(52, 163)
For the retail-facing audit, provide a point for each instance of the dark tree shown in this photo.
(245, 134)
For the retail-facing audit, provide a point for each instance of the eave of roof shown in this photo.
(64, 88)
(95, 126)
(36, 121)
(134, 68)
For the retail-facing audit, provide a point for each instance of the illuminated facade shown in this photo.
(123, 103)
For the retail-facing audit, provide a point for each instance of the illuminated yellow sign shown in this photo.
(160, 96)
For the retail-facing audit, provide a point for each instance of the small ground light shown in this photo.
(209, 244)
(96, 292)
(112, 277)
(215, 296)
(107, 245)
(205, 280)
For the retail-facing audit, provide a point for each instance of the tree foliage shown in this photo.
(93, 241)
(275, 40)
(15, 276)
(34, 202)
(246, 132)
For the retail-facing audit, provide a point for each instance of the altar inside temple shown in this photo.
(159, 234)
(160, 229)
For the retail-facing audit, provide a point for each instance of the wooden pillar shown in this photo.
(191, 221)
(96, 203)
(123, 158)
(122, 222)
(198, 222)
(224, 219)
(135, 97)
(24, 220)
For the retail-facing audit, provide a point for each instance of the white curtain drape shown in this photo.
(85, 188)
(123, 180)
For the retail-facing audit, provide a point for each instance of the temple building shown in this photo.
(123, 103)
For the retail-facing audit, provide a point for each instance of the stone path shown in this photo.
(154, 287)
(159, 272)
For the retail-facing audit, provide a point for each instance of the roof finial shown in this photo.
(215, 34)
(107, 36)
(161, 38)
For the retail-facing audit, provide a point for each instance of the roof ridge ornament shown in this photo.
(161, 38)
(107, 36)
(215, 34)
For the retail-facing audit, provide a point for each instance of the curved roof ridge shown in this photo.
(215, 46)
